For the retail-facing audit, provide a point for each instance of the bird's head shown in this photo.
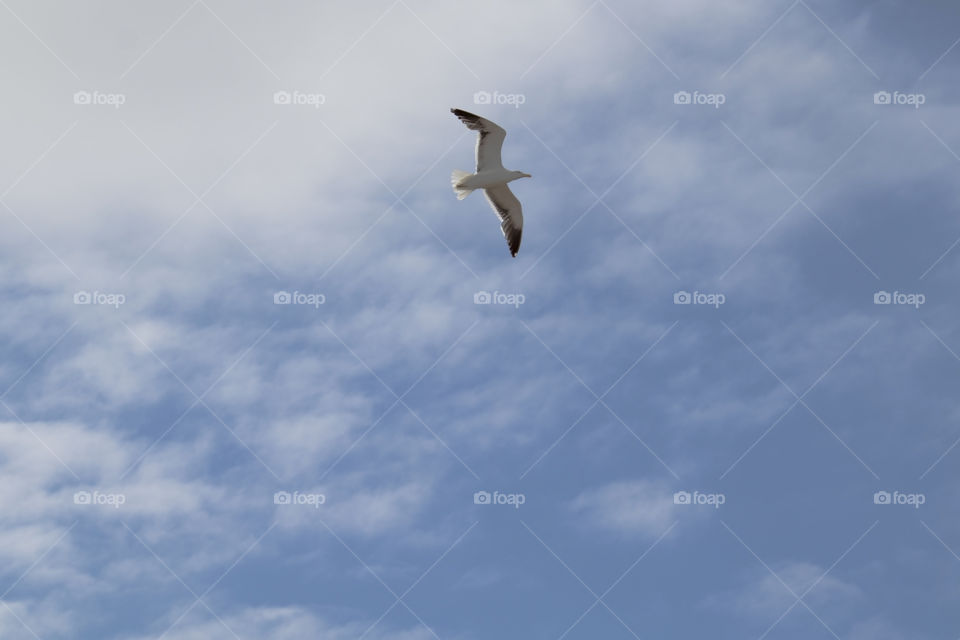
(520, 174)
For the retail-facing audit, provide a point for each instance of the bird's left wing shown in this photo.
(489, 142)
(508, 208)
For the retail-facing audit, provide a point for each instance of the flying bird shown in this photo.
(491, 177)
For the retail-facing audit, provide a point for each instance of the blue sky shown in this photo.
(776, 458)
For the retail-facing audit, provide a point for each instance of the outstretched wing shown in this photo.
(508, 208)
(489, 142)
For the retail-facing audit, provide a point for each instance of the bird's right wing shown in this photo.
(489, 142)
(508, 208)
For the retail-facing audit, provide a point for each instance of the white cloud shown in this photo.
(627, 508)
(283, 623)
(764, 597)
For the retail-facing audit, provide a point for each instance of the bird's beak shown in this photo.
(527, 175)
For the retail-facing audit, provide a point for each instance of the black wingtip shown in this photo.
(513, 243)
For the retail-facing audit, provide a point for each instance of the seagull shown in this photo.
(491, 177)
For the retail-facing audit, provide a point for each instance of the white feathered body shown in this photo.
(464, 182)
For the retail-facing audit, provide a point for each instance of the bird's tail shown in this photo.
(455, 179)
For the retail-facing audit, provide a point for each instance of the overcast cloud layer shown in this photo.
(247, 390)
